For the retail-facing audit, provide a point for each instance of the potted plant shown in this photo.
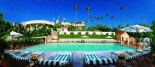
(152, 53)
(121, 56)
(153, 58)
(34, 58)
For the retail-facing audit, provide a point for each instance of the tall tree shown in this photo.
(121, 8)
(71, 28)
(127, 25)
(112, 19)
(98, 19)
(142, 24)
(75, 7)
(99, 27)
(107, 15)
(88, 10)
(1, 16)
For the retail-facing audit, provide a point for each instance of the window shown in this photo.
(112, 33)
(64, 32)
(62, 29)
(72, 33)
(107, 34)
(94, 33)
(79, 32)
(87, 33)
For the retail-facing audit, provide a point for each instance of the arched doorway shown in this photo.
(122, 39)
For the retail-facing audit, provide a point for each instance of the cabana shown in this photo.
(122, 37)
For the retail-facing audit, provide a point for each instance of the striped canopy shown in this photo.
(136, 28)
(52, 63)
(94, 59)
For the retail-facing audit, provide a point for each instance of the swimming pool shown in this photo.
(78, 47)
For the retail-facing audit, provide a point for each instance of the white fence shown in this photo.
(87, 32)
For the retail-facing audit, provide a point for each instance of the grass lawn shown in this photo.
(89, 36)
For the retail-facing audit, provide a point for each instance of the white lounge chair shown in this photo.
(62, 59)
(94, 59)
(28, 56)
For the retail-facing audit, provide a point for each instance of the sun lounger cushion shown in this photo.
(94, 59)
(22, 58)
(61, 59)
(26, 58)
(102, 61)
(52, 63)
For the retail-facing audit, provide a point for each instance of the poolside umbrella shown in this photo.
(15, 34)
(108, 37)
(84, 36)
(136, 28)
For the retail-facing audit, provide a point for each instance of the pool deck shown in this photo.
(77, 56)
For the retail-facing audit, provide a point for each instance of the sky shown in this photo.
(135, 11)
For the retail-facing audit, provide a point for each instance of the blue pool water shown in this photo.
(78, 47)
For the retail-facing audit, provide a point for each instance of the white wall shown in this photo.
(89, 32)
(109, 33)
(83, 33)
(98, 33)
(75, 33)
(68, 33)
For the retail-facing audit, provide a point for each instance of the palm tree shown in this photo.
(121, 8)
(71, 28)
(142, 24)
(1, 16)
(98, 18)
(88, 10)
(112, 19)
(127, 25)
(119, 26)
(56, 26)
(75, 8)
(107, 15)
(99, 27)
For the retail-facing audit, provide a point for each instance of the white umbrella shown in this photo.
(108, 37)
(136, 28)
(15, 34)
(84, 36)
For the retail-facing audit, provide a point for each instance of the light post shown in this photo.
(13, 26)
(12, 42)
(43, 55)
(18, 27)
(137, 29)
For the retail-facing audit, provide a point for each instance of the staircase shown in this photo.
(49, 38)
(54, 34)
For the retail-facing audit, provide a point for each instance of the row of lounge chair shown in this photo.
(133, 56)
(62, 59)
(93, 59)
(88, 41)
(90, 58)
(22, 55)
